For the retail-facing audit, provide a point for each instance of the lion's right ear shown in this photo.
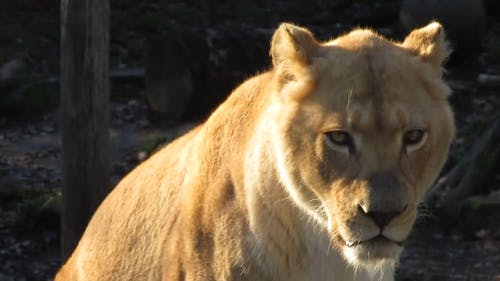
(429, 43)
(292, 44)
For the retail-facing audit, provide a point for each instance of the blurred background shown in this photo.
(172, 62)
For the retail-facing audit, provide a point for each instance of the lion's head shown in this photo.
(362, 128)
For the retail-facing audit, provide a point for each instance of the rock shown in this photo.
(464, 20)
(13, 69)
(175, 68)
(190, 71)
(375, 13)
(19, 97)
(492, 7)
(7, 277)
(169, 82)
(488, 81)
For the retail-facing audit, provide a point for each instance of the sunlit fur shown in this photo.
(257, 194)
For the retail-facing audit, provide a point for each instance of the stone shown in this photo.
(464, 21)
(175, 68)
(12, 69)
(169, 82)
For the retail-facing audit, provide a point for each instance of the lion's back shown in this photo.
(143, 206)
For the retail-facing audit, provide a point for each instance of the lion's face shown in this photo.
(364, 129)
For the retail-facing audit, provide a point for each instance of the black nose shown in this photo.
(381, 218)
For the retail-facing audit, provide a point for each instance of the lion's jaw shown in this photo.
(362, 245)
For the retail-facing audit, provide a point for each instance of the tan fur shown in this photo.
(258, 193)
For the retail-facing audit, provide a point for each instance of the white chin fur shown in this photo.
(376, 269)
(359, 259)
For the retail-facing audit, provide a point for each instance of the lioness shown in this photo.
(312, 170)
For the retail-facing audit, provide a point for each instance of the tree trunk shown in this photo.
(85, 118)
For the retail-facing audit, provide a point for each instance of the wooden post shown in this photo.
(85, 114)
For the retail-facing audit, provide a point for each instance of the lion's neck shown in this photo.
(287, 244)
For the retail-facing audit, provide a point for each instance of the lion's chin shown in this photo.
(373, 251)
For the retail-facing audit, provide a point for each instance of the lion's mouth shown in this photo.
(380, 239)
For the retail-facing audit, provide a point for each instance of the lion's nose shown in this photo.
(381, 218)
(386, 198)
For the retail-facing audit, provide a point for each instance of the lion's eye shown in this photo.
(340, 140)
(339, 137)
(413, 139)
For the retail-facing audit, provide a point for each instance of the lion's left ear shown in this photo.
(293, 44)
(429, 43)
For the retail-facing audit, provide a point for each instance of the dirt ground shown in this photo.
(439, 249)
